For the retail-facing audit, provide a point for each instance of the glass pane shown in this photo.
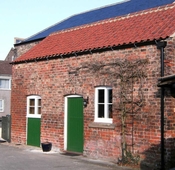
(39, 102)
(31, 111)
(110, 111)
(101, 111)
(101, 96)
(39, 110)
(32, 102)
(4, 83)
(110, 96)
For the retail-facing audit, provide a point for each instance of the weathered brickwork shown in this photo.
(23, 48)
(53, 79)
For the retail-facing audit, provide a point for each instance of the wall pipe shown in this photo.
(161, 45)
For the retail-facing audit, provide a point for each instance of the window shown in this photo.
(1, 105)
(103, 104)
(33, 106)
(5, 83)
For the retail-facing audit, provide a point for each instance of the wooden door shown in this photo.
(75, 124)
(33, 131)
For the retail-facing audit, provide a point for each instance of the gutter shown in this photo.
(166, 78)
(83, 51)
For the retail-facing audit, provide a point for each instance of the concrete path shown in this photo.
(18, 157)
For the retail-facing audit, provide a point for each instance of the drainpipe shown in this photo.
(161, 45)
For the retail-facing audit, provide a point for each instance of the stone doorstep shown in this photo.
(2, 140)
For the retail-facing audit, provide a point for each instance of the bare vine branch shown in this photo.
(129, 75)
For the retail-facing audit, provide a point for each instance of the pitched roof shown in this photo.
(5, 68)
(118, 9)
(148, 25)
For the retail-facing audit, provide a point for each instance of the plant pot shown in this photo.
(46, 146)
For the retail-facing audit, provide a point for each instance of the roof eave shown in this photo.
(87, 51)
(166, 81)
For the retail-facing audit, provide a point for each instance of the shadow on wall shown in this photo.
(152, 159)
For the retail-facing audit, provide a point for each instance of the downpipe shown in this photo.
(161, 45)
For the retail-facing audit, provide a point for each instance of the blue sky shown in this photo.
(23, 18)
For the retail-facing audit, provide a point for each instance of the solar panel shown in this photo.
(107, 12)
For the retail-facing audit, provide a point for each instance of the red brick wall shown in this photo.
(52, 81)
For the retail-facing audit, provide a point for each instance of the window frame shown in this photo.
(36, 106)
(9, 83)
(106, 119)
(2, 110)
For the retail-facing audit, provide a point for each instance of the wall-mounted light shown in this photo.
(85, 102)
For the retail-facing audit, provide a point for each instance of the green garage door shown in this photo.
(75, 124)
(33, 131)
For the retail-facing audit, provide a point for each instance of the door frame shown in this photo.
(66, 115)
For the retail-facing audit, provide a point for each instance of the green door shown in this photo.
(33, 131)
(75, 124)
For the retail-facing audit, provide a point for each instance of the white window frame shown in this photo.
(106, 104)
(9, 84)
(2, 108)
(36, 99)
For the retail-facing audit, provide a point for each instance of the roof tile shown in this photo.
(149, 25)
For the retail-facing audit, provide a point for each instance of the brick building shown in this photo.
(93, 89)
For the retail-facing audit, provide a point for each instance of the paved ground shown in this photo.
(17, 157)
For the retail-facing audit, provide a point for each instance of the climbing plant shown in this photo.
(128, 75)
